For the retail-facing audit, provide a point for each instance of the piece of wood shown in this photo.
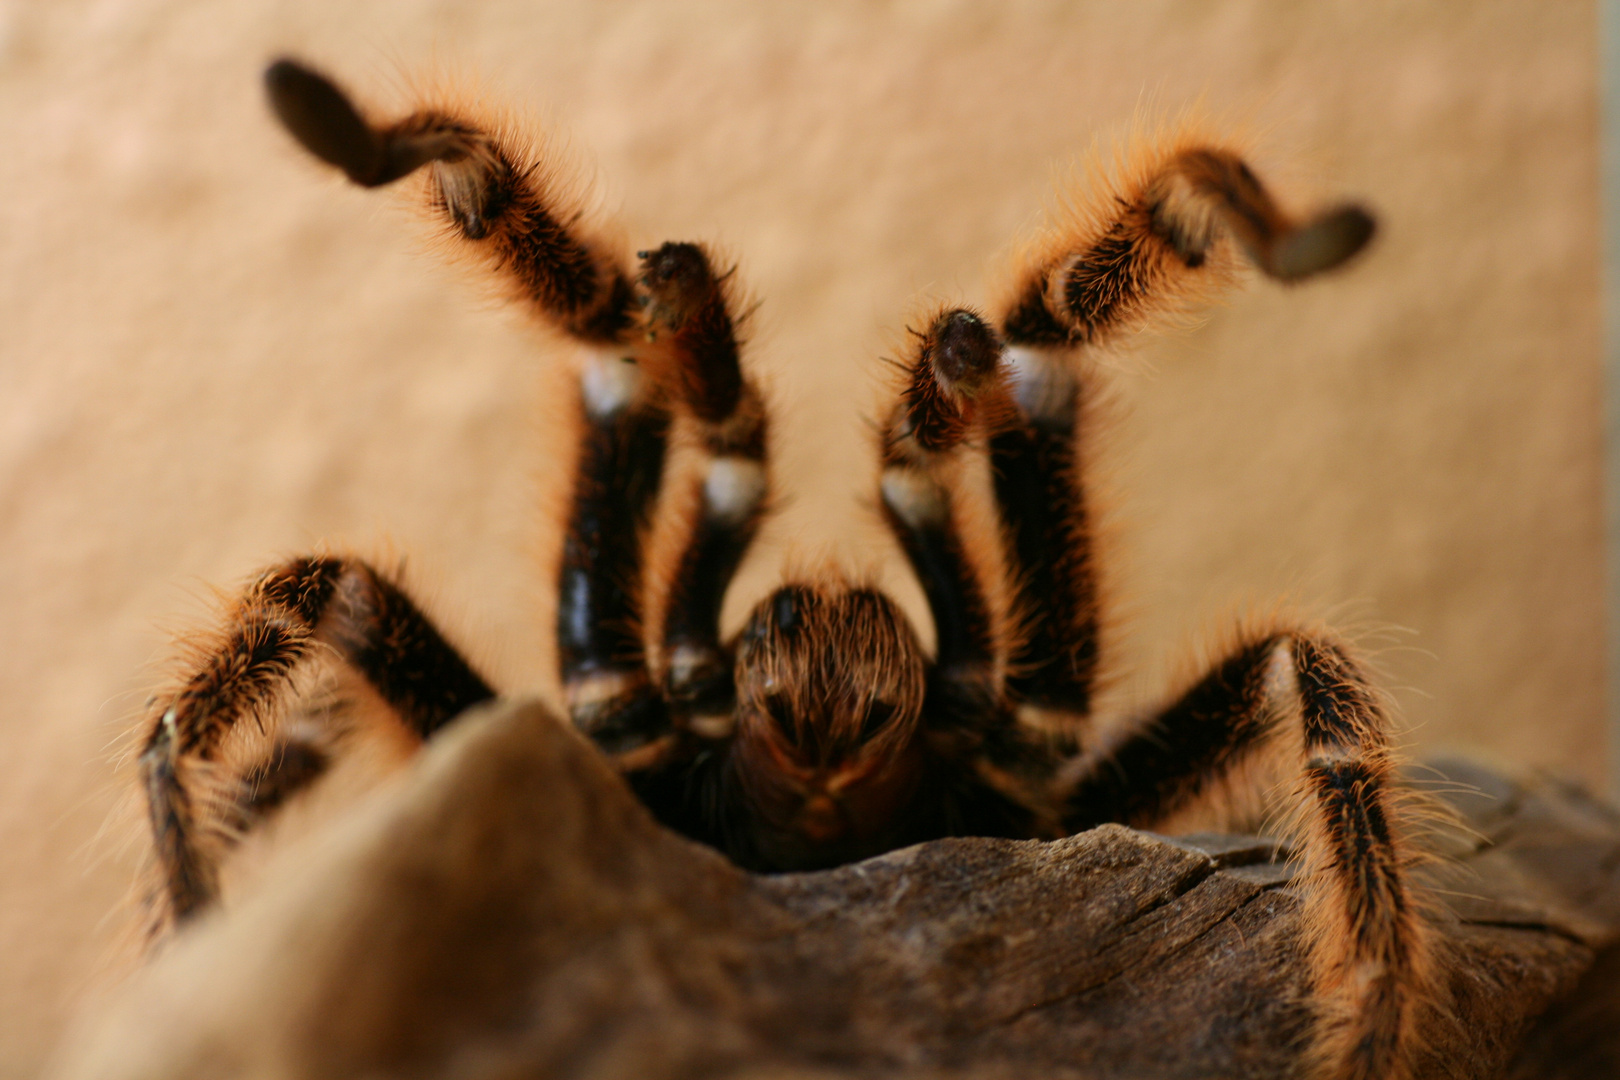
(507, 909)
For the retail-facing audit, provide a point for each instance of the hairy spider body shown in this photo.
(823, 733)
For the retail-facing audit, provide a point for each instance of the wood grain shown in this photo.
(508, 909)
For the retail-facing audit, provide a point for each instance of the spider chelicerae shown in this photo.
(823, 732)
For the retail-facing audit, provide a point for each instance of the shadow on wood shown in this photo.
(507, 909)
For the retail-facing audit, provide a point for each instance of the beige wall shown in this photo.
(213, 353)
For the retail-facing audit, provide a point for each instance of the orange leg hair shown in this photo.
(243, 671)
(1370, 946)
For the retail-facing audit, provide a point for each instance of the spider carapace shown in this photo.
(824, 732)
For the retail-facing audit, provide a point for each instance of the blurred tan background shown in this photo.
(212, 352)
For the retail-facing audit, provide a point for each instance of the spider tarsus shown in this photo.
(688, 309)
(678, 279)
(1324, 243)
(327, 124)
(966, 352)
(956, 360)
(321, 117)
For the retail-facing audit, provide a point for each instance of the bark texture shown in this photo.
(507, 909)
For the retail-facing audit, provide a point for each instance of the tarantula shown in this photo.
(823, 733)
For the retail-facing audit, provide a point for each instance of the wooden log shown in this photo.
(507, 909)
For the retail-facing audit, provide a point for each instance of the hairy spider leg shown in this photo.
(618, 473)
(692, 352)
(494, 194)
(951, 370)
(1041, 496)
(1152, 241)
(694, 379)
(693, 326)
(952, 397)
(1369, 945)
(497, 201)
(242, 670)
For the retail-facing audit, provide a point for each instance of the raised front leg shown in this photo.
(494, 196)
(676, 361)
(1168, 232)
(498, 204)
